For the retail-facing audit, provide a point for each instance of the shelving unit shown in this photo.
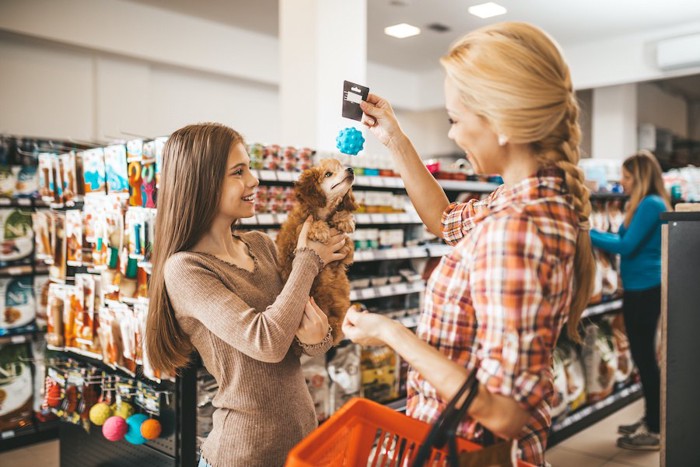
(370, 293)
(592, 413)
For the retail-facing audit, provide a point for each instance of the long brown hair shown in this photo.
(194, 164)
(513, 75)
(647, 180)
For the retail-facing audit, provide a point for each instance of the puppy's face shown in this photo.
(325, 185)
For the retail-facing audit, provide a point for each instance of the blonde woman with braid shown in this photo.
(521, 266)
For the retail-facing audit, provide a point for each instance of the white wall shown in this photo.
(66, 92)
(614, 127)
(662, 109)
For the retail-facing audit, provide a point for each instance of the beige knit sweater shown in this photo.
(243, 326)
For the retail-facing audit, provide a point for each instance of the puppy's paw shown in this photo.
(344, 221)
(320, 232)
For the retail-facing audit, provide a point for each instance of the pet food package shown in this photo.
(57, 270)
(616, 214)
(625, 365)
(69, 178)
(380, 381)
(16, 395)
(560, 397)
(575, 376)
(18, 305)
(17, 236)
(600, 360)
(41, 300)
(318, 381)
(344, 371)
(609, 282)
(46, 178)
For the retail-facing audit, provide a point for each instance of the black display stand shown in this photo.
(680, 374)
(175, 448)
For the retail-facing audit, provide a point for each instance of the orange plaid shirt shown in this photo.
(499, 300)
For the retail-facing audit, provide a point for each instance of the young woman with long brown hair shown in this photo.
(638, 243)
(522, 263)
(220, 293)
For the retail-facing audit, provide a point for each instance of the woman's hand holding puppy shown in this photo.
(327, 252)
(314, 324)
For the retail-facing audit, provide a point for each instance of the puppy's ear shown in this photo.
(348, 203)
(308, 192)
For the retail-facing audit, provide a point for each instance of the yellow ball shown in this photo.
(99, 413)
(124, 410)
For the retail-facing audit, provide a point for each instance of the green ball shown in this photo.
(99, 413)
(124, 410)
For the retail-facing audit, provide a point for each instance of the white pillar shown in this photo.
(614, 128)
(322, 43)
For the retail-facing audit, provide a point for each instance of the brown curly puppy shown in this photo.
(324, 192)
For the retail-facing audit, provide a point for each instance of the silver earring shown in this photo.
(502, 140)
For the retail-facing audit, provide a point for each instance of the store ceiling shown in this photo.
(569, 21)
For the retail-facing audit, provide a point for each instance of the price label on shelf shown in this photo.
(7, 434)
(285, 176)
(249, 220)
(268, 175)
(378, 218)
(282, 218)
(266, 219)
(385, 291)
(376, 181)
(391, 254)
(18, 339)
(403, 218)
(361, 180)
(362, 218)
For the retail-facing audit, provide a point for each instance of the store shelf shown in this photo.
(609, 195)
(590, 414)
(16, 202)
(13, 439)
(602, 308)
(370, 293)
(364, 181)
(391, 253)
(360, 219)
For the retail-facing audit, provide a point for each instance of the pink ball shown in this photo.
(114, 428)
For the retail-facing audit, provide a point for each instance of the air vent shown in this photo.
(438, 27)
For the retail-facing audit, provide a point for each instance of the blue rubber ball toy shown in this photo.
(133, 434)
(350, 141)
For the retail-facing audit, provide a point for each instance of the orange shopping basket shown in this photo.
(365, 433)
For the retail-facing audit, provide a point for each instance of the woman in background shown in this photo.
(639, 245)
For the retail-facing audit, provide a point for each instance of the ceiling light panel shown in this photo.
(401, 31)
(487, 10)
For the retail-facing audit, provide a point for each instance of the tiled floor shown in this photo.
(594, 447)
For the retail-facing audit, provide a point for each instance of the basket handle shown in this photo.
(444, 431)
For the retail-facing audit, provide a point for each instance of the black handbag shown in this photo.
(444, 431)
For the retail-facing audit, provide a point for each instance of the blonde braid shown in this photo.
(560, 149)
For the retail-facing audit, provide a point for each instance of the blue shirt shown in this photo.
(639, 245)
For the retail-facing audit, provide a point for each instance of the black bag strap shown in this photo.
(444, 431)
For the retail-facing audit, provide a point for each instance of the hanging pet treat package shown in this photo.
(70, 179)
(16, 399)
(54, 312)
(600, 360)
(41, 300)
(46, 180)
(344, 371)
(57, 270)
(72, 309)
(17, 236)
(85, 319)
(318, 382)
(74, 237)
(116, 170)
(18, 305)
(42, 239)
(94, 178)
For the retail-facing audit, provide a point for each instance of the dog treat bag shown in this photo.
(600, 361)
(344, 369)
(15, 387)
(318, 382)
(17, 235)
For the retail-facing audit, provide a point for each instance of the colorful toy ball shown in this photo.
(350, 141)
(99, 413)
(124, 410)
(150, 429)
(133, 433)
(114, 428)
